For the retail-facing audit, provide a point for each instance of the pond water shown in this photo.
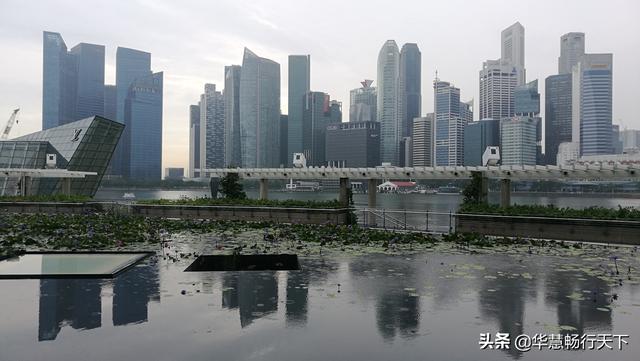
(431, 305)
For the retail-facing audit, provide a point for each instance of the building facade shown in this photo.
(409, 87)
(423, 140)
(363, 103)
(143, 130)
(557, 114)
(387, 109)
(571, 50)
(477, 137)
(512, 50)
(449, 126)
(526, 99)
(519, 140)
(232, 153)
(317, 113)
(259, 112)
(194, 141)
(353, 144)
(299, 85)
(498, 81)
(212, 131)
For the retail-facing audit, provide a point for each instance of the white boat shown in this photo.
(129, 195)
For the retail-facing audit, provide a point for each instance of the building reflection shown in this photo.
(297, 298)
(78, 302)
(254, 294)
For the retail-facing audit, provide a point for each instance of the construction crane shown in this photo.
(12, 120)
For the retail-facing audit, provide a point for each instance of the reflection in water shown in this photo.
(254, 294)
(77, 302)
(73, 301)
(132, 292)
(297, 298)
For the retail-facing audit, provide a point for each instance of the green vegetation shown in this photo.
(620, 213)
(231, 188)
(472, 192)
(290, 203)
(50, 198)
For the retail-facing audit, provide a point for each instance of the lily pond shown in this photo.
(370, 301)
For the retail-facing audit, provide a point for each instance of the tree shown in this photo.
(473, 191)
(231, 188)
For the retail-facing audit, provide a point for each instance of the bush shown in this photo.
(288, 203)
(46, 198)
(620, 213)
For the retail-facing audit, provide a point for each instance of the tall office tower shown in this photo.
(299, 85)
(131, 64)
(72, 81)
(449, 129)
(110, 108)
(232, 156)
(512, 50)
(557, 119)
(259, 112)
(497, 84)
(316, 115)
(194, 141)
(466, 111)
(363, 103)
(284, 136)
(571, 50)
(143, 130)
(212, 130)
(526, 99)
(335, 111)
(477, 137)
(409, 87)
(592, 95)
(615, 139)
(353, 144)
(518, 140)
(387, 110)
(423, 140)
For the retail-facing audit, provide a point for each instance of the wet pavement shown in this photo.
(430, 305)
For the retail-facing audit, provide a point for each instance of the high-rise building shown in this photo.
(557, 114)
(72, 81)
(498, 80)
(232, 154)
(449, 126)
(194, 140)
(259, 112)
(110, 107)
(477, 137)
(284, 136)
(571, 50)
(409, 87)
(423, 140)
(526, 99)
(353, 144)
(466, 111)
(316, 115)
(131, 64)
(299, 85)
(143, 130)
(593, 76)
(615, 139)
(387, 110)
(630, 139)
(519, 140)
(363, 103)
(512, 50)
(406, 152)
(212, 128)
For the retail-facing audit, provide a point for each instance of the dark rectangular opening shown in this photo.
(245, 262)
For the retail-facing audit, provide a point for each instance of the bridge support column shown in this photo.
(344, 196)
(66, 186)
(372, 190)
(264, 189)
(505, 193)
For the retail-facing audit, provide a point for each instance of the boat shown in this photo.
(448, 190)
(128, 195)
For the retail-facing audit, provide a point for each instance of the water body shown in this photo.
(430, 306)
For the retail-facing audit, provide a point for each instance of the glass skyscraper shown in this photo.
(299, 85)
(595, 72)
(232, 155)
(194, 140)
(409, 85)
(519, 140)
(557, 114)
(143, 131)
(387, 113)
(477, 137)
(449, 128)
(212, 128)
(318, 112)
(526, 99)
(259, 112)
(363, 103)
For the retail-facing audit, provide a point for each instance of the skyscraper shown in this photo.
(143, 130)
(353, 144)
(449, 126)
(299, 85)
(477, 137)
(594, 74)
(232, 154)
(571, 50)
(363, 103)
(423, 141)
(72, 81)
(498, 80)
(512, 50)
(259, 111)
(284, 136)
(387, 112)
(194, 140)
(557, 118)
(317, 113)
(527, 99)
(110, 108)
(518, 140)
(212, 130)
(409, 87)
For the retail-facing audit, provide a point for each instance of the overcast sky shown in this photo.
(192, 41)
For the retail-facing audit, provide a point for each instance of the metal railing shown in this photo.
(401, 219)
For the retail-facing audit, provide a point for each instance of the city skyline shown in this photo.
(338, 67)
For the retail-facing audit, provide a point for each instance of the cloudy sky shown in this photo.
(192, 41)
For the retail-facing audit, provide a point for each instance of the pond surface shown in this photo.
(431, 305)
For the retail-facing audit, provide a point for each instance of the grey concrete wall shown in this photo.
(586, 230)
